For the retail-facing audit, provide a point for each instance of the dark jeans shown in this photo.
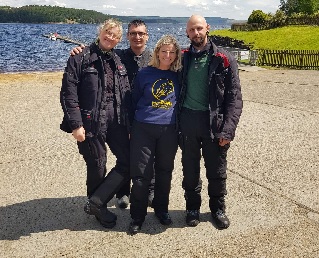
(196, 141)
(93, 150)
(153, 147)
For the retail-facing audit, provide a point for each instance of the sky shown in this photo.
(232, 9)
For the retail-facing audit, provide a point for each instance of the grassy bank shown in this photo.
(287, 38)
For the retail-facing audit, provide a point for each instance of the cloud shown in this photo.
(235, 9)
(219, 2)
(109, 7)
(59, 4)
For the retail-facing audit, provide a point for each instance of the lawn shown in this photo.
(285, 38)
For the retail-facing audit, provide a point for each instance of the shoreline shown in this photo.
(31, 72)
(16, 76)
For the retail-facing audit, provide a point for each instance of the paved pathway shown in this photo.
(273, 179)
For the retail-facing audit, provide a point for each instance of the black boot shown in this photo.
(135, 226)
(192, 218)
(164, 217)
(106, 218)
(220, 219)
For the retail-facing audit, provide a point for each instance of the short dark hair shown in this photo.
(136, 22)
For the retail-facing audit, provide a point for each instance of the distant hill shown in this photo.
(158, 19)
(56, 14)
(49, 14)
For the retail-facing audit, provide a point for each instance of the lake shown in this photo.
(23, 47)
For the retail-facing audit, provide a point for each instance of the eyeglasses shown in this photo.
(139, 33)
(111, 35)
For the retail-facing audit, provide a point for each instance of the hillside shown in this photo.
(55, 14)
(49, 14)
(285, 38)
(158, 19)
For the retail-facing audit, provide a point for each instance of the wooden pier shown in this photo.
(65, 39)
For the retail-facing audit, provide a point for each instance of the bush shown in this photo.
(258, 16)
(278, 19)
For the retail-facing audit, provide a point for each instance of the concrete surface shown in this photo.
(273, 180)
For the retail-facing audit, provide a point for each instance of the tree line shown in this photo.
(49, 14)
(55, 14)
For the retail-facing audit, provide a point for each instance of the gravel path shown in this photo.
(273, 179)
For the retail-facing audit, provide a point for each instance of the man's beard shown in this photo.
(198, 43)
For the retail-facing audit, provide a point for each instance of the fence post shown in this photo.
(301, 59)
(253, 56)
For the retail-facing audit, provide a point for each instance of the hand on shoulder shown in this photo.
(77, 50)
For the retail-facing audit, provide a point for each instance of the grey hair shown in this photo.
(109, 24)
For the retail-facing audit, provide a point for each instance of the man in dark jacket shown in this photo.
(95, 98)
(209, 111)
(134, 58)
(137, 55)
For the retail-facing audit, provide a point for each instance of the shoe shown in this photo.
(220, 219)
(106, 218)
(164, 218)
(150, 199)
(123, 202)
(135, 226)
(192, 218)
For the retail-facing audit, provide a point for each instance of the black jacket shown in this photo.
(82, 86)
(225, 98)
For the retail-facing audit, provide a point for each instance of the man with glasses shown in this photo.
(134, 58)
(137, 55)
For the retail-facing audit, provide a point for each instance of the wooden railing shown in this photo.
(298, 59)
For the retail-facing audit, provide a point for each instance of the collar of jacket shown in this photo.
(107, 53)
(143, 59)
(146, 52)
(209, 47)
(95, 52)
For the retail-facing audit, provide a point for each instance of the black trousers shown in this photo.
(93, 150)
(126, 188)
(196, 141)
(153, 147)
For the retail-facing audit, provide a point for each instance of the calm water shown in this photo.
(23, 48)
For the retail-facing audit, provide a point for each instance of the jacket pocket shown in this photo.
(87, 119)
(89, 88)
(217, 122)
(220, 88)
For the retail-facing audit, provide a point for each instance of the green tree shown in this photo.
(308, 6)
(299, 6)
(289, 6)
(258, 16)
